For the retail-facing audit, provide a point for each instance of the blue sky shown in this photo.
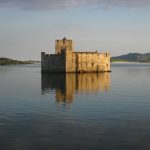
(29, 27)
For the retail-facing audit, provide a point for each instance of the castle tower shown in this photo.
(63, 45)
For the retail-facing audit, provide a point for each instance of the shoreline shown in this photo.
(7, 61)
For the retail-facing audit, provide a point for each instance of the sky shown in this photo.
(28, 27)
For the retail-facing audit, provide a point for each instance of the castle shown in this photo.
(66, 59)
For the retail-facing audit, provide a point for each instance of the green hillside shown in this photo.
(7, 61)
(132, 57)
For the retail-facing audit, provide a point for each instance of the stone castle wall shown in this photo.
(92, 62)
(70, 61)
(52, 63)
(66, 60)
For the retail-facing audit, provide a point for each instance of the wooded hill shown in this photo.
(132, 57)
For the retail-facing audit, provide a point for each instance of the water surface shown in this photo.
(67, 111)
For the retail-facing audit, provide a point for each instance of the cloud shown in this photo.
(64, 4)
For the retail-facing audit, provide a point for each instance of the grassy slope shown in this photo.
(132, 57)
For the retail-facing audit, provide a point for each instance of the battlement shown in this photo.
(66, 60)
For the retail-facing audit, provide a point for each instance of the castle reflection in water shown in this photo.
(67, 85)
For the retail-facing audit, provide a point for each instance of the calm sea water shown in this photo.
(107, 111)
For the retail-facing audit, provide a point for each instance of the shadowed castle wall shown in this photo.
(53, 62)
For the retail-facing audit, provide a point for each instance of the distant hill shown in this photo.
(132, 57)
(8, 61)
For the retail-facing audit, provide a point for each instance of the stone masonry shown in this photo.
(66, 59)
